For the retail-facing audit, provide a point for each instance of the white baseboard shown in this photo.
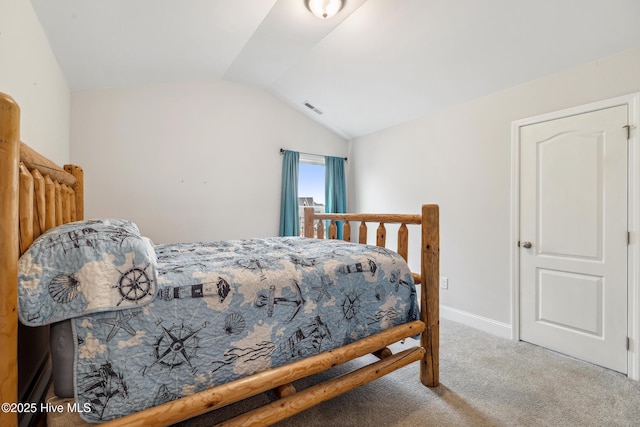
(482, 323)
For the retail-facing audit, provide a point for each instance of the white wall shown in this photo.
(30, 74)
(460, 158)
(190, 161)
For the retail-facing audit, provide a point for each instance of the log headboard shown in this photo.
(35, 195)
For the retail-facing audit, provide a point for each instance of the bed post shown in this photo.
(429, 295)
(308, 221)
(9, 159)
(78, 189)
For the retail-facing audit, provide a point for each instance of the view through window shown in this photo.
(310, 187)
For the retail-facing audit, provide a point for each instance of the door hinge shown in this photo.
(628, 237)
(628, 343)
(628, 128)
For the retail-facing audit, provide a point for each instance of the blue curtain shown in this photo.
(289, 221)
(335, 188)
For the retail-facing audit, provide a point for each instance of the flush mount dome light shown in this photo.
(324, 9)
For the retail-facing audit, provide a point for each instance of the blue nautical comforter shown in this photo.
(224, 310)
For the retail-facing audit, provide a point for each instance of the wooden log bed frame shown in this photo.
(37, 195)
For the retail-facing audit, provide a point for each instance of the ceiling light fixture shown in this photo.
(325, 9)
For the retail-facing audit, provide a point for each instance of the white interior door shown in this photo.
(573, 236)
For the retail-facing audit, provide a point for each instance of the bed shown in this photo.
(42, 204)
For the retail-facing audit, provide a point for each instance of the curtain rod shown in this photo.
(282, 150)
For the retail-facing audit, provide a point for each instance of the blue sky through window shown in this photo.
(311, 182)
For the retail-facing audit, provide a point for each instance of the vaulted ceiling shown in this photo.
(376, 64)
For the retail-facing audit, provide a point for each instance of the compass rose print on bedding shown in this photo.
(176, 346)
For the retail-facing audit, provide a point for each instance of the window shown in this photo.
(302, 182)
(310, 185)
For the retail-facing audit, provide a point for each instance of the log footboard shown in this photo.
(429, 274)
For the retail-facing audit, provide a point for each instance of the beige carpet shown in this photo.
(485, 381)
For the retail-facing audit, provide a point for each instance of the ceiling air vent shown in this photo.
(311, 107)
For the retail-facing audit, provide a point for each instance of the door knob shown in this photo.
(526, 245)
